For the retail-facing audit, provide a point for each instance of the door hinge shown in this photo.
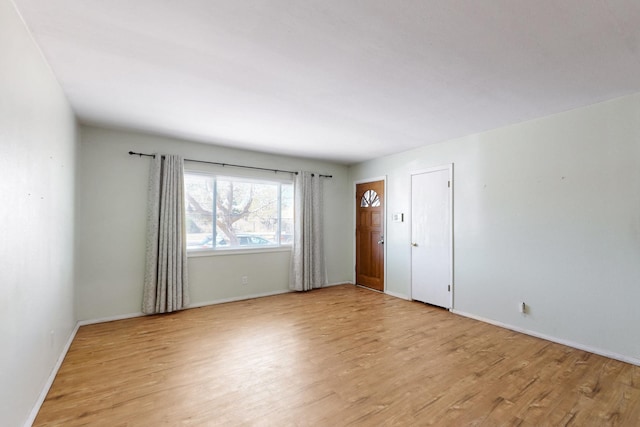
(448, 184)
(448, 288)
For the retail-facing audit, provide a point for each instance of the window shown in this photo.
(370, 199)
(248, 213)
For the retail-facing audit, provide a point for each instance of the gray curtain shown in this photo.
(307, 262)
(166, 286)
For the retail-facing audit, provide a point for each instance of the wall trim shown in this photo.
(398, 295)
(110, 318)
(338, 284)
(240, 298)
(52, 377)
(569, 343)
(260, 295)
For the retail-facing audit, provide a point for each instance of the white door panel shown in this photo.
(431, 227)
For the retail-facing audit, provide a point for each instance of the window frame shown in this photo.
(216, 175)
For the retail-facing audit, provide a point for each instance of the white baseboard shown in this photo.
(239, 298)
(251, 296)
(52, 376)
(337, 284)
(387, 292)
(598, 351)
(110, 318)
(397, 295)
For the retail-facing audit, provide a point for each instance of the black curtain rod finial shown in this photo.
(133, 153)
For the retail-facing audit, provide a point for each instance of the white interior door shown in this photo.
(431, 235)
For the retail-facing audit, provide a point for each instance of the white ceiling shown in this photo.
(341, 80)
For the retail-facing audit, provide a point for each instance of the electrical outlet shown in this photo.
(522, 307)
(245, 280)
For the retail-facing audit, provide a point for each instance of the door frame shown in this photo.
(447, 167)
(382, 178)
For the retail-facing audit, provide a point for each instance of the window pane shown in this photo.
(199, 210)
(286, 214)
(247, 213)
(370, 199)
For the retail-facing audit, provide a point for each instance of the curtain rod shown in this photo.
(132, 153)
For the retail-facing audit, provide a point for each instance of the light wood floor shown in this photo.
(333, 357)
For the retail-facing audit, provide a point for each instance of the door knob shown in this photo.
(381, 241)
(414, 244)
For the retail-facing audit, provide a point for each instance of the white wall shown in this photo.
(37, 164)
(546, 212)
(112, 215)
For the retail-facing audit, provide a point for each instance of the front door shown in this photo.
(369, 235)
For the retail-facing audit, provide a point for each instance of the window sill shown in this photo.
(236, 251)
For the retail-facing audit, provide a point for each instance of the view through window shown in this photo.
(248, 213)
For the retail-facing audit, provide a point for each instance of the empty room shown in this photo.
(320, 213)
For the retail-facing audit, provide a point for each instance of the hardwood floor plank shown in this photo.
(338, 356)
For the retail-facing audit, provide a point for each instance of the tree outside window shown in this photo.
(247, 212)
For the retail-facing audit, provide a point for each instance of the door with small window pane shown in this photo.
(370, 235)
